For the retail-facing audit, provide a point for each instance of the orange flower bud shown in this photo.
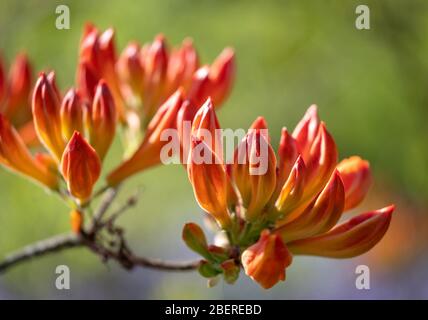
(148, 154)
(102, 120)
(266, 260)
(87, 80)
(350, 239)
(320, 216)
(356, 177)
(222, 75)
(211, 184)
(254, 172)
(306, 131)
(97, 60)
(76, 221)
(182, 64)
(293, 188)
(80, 167)
(321, 160)
(155, 68)
(215, 81)
(288, 154)
(46, 113)
(206, 127)
(20, 81)
(15, 156)
(72, 112)
(131, 74)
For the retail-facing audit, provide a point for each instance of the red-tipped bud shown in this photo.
(266, 260)
(155, 67)
(182, 64)
(254, 173)
(306, 131)
(131, 73)
(320, 216)
(72, 114)
(102, 120)
(356, 177)
(20, 81)
(215, 81)
(46, 114)
(211, 184)
(80, 167)
(206, 127)
(15, 155)
(350, 239)
(287, 153)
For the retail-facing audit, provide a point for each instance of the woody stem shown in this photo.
(122, 255)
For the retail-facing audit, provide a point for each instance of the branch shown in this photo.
(92, 240)
(68, 241)
(41, 248)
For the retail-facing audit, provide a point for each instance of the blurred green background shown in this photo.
(371, 87)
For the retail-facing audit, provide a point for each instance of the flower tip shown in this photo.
(259, 123)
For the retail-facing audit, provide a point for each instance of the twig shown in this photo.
(132, 201)
(102, 209)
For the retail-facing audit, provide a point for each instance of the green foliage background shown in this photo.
(370, 86)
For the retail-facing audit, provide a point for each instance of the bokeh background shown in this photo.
(372, 90)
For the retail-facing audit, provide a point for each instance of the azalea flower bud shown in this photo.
(356, 177)
(206, 127)
(20, 81)
(306, 131)
(350, 239)
(214, 81)
(287, 153)
(320, 216)
(131, 73)
(72, 113)
(266, 260)
(102, 120)
(97, 60)
(211, 184)
(80, 167)
(155, 67)
(254, 172)
(46, 113)
(15, 156)
(182, 64)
